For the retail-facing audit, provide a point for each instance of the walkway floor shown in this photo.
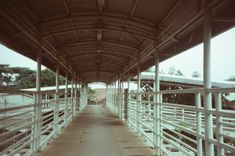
(97, 132)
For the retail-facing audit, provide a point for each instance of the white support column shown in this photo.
(36, 134)
(207, 80)
(107, 95)
(199, 124)
(156, 107)
(119, 98)
(138, 101)
(115, 97)
(219, 125)
(86, 94)
(56, 112)
(72, 97)
(81, 96)
(122, 100)
(128, 100)
(66, 99)
(76, 100)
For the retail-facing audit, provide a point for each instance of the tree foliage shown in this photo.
(196, 74)
(173, 71)
(232, 78)
(21, 77)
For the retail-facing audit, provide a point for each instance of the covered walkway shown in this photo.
(97, 132)
(111, 42)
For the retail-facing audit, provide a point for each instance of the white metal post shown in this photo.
(37, 109)
(76, 100)
(128, 100)
(82, 96)
(79, 97)
(122, 99)
(86, 93)
(156, 107)
(199, 124)
(119, 98)
(138, 102)
(219, 124)
(56, 112)
(115, 97)
(207, 80)
(66, 99)
(72, 96)
(107, 95)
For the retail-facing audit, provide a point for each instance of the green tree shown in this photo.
(173, 71)
(21, 77)
(25, 77)
(196, 74)
(5, 75)
(178, 72)
(232, 78)
(49, 78)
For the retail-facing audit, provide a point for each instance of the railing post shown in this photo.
(157, 108)
(66, 99)
(79, 91)
(207, 79)
(113, 94)
(138, 101)
(76, 100)
(118, 97)
(56, 112)
(107, 95)
(72, 96)
(128, 100)
(81, 98)
(219, 124)
(121, 100)
(199, 124)
(86, 94)
(36, 129)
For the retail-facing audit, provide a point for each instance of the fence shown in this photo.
(27, 128)
(176, 128)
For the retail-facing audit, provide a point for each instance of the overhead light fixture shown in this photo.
(98, 61)
(98, 51)
(99, 35)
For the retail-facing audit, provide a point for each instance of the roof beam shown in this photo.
(101, 29)
(117, 52)
(37, 40)
(86, 64)
(101, 43)
(98, 54)
(68, 12)
(89, 15)
(100, 71)
(129, 17)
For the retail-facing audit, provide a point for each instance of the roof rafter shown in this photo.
(117, 52)
(101, 43)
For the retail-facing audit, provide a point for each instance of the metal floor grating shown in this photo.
(97, 132)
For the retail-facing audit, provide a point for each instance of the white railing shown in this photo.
(182, 126)
(27, 127)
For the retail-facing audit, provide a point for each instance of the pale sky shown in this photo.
(223, 58)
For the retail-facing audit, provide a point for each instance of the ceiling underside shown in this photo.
(99, 40)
